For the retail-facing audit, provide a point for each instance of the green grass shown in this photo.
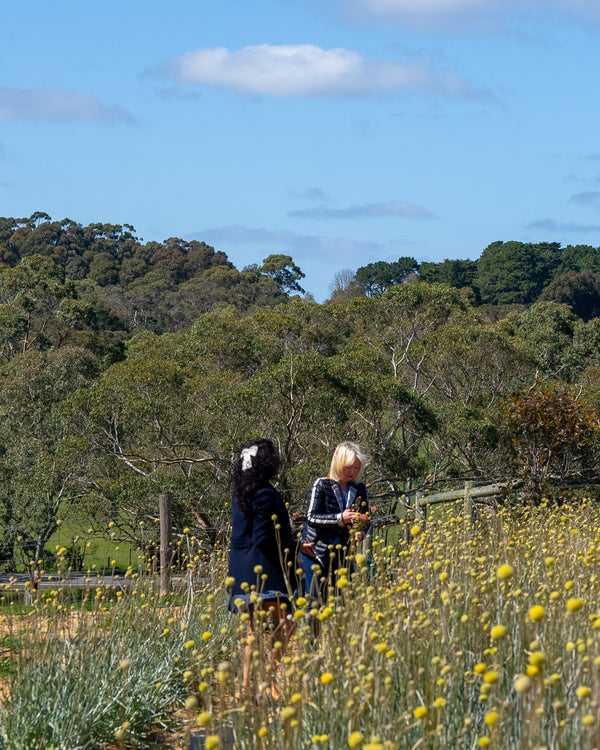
(94, 551)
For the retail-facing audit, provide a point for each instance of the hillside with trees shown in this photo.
(130, 369)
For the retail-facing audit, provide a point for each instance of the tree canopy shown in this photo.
(130, 369)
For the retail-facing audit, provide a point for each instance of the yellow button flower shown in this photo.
(506, 571)
(536, 613)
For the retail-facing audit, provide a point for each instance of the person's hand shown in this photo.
(348, 516)
(307, 548)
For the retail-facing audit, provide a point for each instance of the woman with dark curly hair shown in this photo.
(262, 559)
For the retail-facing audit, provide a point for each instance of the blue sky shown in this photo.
(339, 132)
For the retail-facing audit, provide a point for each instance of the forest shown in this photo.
(131, 369)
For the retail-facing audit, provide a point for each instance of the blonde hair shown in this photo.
(345, 455)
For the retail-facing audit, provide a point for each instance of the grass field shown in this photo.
(90, 549)
(463, 637)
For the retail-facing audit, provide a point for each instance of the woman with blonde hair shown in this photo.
(336, 503)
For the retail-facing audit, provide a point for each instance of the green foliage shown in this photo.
(580, 290)
(455, 273)
(376, 278)
(509, 272)
(284, 271)
(553, 435)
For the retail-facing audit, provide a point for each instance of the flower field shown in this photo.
(467, 636)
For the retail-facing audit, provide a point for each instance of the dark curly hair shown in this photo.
(257, 463)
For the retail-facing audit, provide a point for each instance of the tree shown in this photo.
(515, 272)
(580, 290)
(455, 273)
(345, 286)
(285, 272)
(545, 330)
(580, 258)
(41, 471)
(376, 278)
(552, 435)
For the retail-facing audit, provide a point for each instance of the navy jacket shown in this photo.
(255, 541)
(324, 514)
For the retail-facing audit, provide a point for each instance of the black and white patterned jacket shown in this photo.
(324, 524)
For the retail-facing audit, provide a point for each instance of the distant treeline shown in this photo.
(506, 273)
(164, 285)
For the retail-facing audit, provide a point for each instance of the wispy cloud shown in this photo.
(308, 246)
(389, 209)
(550, 225)
(315, 194)
(58, 105)
(305, 70)
(468, 15)
(588, 198)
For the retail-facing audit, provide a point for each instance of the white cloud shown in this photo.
(389, 209)
(301, 245)
(467, 15)
(305, 70)
(57, 105)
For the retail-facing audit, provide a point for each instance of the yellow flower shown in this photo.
(204, 719)
(258, 569)
(327, 678)
(415, 530)
(212, 742)
(523, 683)
(484, 742)
(588, 720)
(573, 605)
(189, 644)
(479, 668)
(583, 692)
(537, 658)
(490, 677)
(191, 703)
(491, 718)
(537, 613)
(263, 732)
(326, 613)
(498, 631)
(506, 571)
(420, 712)
(229, 581)
(287, 713)
(355, 739)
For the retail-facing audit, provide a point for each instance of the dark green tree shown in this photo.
(515, 272)
(376, 278)
(580, 290)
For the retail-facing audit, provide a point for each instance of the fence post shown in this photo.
(166, 548)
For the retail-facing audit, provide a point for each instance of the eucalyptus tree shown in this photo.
(43, 474)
